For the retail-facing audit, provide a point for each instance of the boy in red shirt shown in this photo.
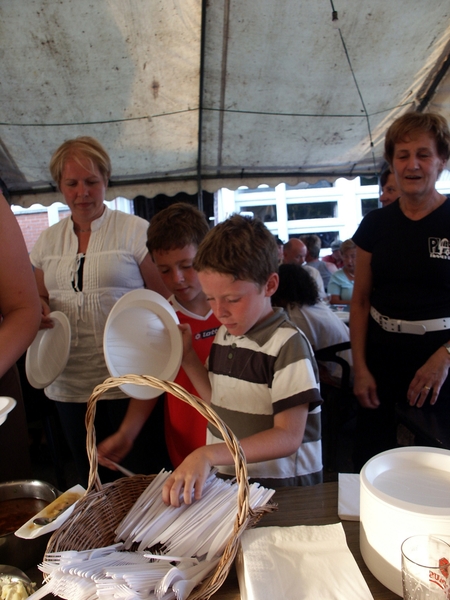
(173, 237)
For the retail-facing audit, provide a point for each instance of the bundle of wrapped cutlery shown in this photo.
(160, 551)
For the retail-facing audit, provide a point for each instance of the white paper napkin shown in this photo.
(299, 563)
(348, 496)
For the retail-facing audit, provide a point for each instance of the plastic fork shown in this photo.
(123, 470)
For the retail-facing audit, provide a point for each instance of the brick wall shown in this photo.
(31, 226)
(33, 223)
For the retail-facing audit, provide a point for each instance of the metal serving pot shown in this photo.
(16, 551)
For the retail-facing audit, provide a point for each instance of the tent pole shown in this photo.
(431, 90)
(200, 104)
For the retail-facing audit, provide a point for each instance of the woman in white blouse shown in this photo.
(83, 265)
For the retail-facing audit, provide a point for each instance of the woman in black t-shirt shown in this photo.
(401, 300)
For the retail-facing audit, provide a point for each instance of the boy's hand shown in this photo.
(115, 448)
(188, 479)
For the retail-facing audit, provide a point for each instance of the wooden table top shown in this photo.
(312, 505)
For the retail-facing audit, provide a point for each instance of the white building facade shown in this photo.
(333, 212)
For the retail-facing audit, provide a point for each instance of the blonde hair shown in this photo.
(347, 245)
(82, 147)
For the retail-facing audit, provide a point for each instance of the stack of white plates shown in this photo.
(142, 338)
(404, 492)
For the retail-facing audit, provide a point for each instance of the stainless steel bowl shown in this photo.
(15, 551)
(13, 575)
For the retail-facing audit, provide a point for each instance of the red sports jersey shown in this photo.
(185, 427)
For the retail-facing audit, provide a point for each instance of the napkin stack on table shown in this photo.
(348, 496)
(299, 563)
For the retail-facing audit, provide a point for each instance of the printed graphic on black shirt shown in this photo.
(439, 248)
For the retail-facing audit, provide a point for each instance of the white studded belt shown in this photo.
(414, 327)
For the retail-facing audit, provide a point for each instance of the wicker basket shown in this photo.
(97, 514)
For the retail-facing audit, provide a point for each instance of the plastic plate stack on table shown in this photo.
(142, 337)
(95, 518)
(404, 492)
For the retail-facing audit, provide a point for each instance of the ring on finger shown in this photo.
(426, 387)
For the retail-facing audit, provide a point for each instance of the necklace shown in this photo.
(79, 230)
(350, 276)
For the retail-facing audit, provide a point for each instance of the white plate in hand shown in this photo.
(48, 354)
(6, 406)
(142, 338)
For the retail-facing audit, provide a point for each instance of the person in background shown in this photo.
(313, 245)
(297, 294)
(173, 237)
(280, 247)
(20, 310)
(335, 258)
(261, 377)
(83, 265)
(389, 190)
(400, 314)
(294, 252)
(340, 288)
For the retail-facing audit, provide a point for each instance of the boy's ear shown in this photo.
(272, 284)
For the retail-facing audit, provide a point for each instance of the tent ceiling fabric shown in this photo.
(287, 93)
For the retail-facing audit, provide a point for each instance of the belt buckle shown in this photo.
(410, 327)
(387, 323)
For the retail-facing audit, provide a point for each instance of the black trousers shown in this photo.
(15, 460)
(393, 359)
(149, 454)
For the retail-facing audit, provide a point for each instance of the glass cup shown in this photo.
(425, 568)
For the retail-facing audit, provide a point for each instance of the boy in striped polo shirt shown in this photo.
(261, 376)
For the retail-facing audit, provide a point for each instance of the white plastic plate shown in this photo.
(6, 406)
(415, 478)
(48, 354)
(404, 492)
(142, 338)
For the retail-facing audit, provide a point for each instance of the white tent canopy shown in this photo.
(186, 96)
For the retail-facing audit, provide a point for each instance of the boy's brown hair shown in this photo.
(242, 247)
(179, 225)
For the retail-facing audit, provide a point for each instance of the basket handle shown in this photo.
(179, 392)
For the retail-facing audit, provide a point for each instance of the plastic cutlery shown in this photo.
(123, 470)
